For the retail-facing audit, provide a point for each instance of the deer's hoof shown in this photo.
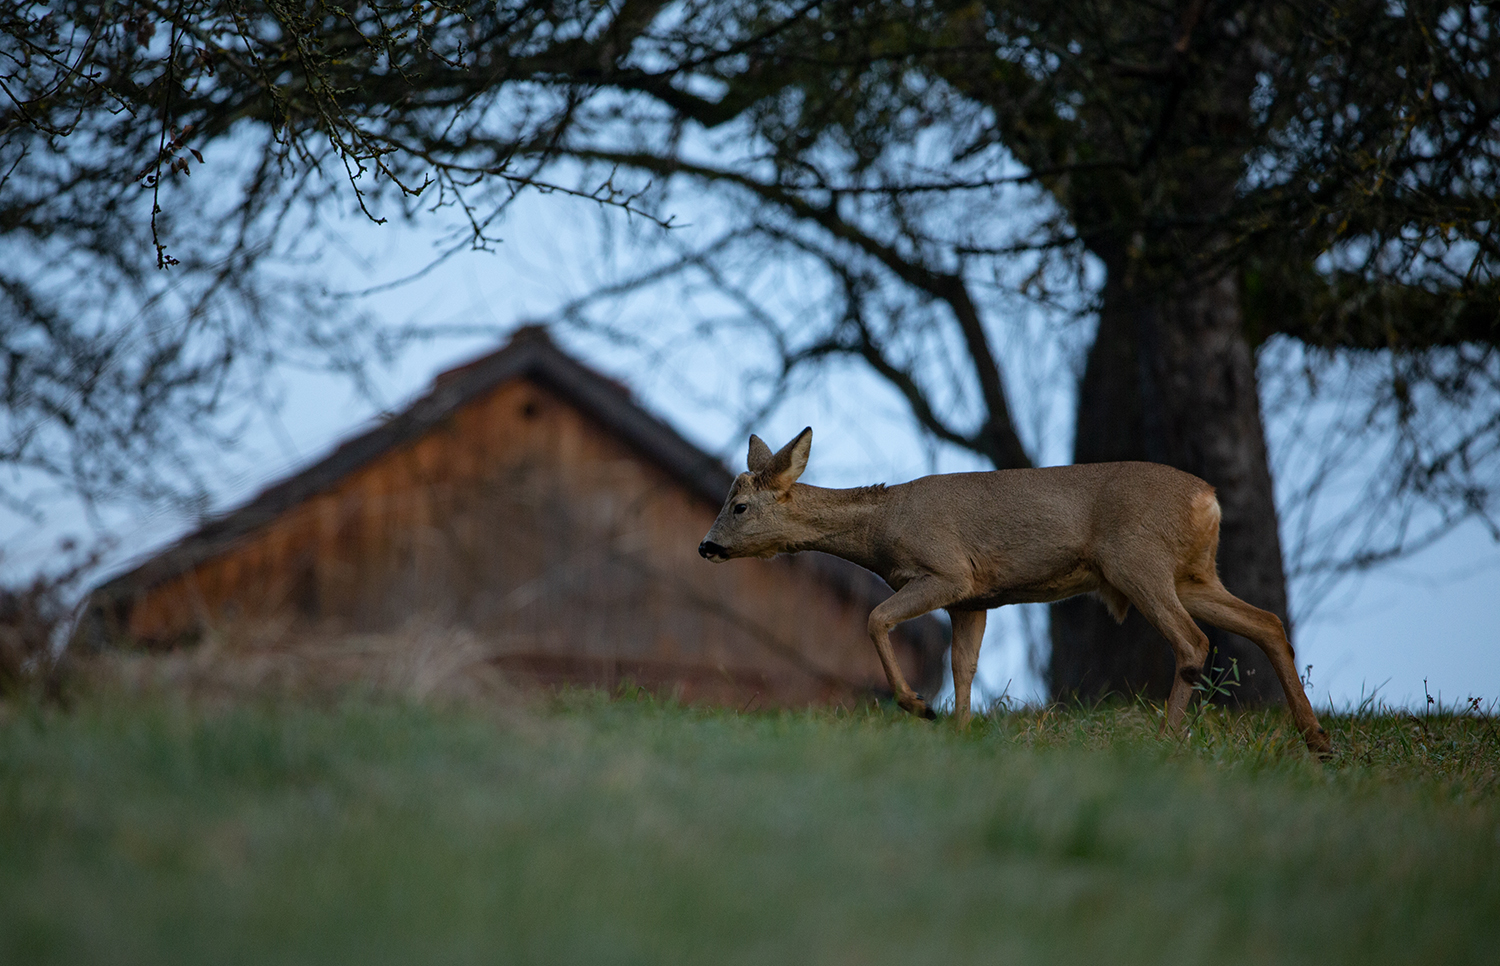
(1319, 744)
(917, 705)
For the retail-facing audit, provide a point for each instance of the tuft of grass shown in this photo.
(144, 827)
(1447, 751)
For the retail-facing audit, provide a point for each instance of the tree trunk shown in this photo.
(1172, 380)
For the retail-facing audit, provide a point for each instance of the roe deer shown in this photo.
(1132, 533)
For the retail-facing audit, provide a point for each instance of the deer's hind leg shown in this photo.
(1209, 601)
(1157, 601)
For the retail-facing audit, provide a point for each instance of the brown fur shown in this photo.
(1135, 534)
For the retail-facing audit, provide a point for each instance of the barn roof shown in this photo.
(530, 354)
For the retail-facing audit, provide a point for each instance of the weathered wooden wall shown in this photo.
(523, 520)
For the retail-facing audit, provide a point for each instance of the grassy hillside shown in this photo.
(153, 829)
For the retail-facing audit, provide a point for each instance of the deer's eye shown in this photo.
(741, 507)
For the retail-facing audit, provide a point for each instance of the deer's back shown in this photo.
(1049, 519)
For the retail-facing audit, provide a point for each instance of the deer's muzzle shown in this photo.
(709, 550)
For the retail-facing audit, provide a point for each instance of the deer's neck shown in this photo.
(844, 523)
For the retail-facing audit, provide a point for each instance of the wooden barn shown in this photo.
(530, 501)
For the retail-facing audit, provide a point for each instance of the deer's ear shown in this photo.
(789, 462)
(760, 455)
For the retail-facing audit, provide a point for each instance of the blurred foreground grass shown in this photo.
(147, 828)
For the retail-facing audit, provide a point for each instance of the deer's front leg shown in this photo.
(913, 600)
(968, 634)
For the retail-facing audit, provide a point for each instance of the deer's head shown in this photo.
(757, 519)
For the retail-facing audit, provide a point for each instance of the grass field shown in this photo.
(142, 827)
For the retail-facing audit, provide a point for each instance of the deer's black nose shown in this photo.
(709, 550)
